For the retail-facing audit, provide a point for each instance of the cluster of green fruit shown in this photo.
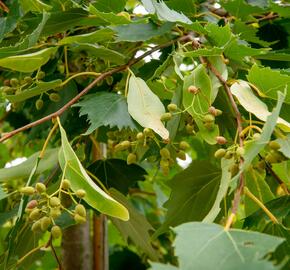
(273, 155)
(44, 209)
(15, 86)
(209, 118)
(168, 158)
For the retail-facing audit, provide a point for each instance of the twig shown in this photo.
(90, 86)
(239, 190)
(4, 7)
(261, 205)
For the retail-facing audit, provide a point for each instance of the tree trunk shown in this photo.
(77, 248)
(101, 261)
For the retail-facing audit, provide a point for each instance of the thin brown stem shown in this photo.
(55, 256)
(241, 184)
(4, 7)
(104, 75)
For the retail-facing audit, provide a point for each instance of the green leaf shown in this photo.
(110, 5)
(219, 35)
(236, 50)
(214, 51)
(28, 62)
(257, 184)
(23, 170)
(104, 34)
(240, 9)
(283, 171)
(100, 52)
(34, 5)
(285, 145)
(259, 221)
(95, 196)
(193, 193)
(278, 55)
(106, 109)
(269, 82)
(115, 173)
(164, 13)
(40, 87)
(27, 42)
(186, 6)
(145, 107)
(248, 32)
(140, 32)
(210, 246)
(197, 104)
(222, 191)
(253, 104)
(110, 18)
(207, 135)
(137, 228)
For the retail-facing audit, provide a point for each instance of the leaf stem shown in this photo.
(90, 73)
(47, 140)
(248, 193)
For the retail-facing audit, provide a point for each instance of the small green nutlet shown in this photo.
(164, 163)
(147, 131)
(80, 210)
(14, 82)
(36, 226)
(131, 158)
(7, 90)
(54, 97)
(261, 165)
(65, 184)
(79, 219)
(234, 169)
(181, 155)
(218, 112)
(164, 152)
(124, 145)
(39, 104)
(55, 212)
(54, 201)
(40, 75)
(140, 136)
(274, 145)
(32, 204)
(189, 128)
(80, 193)
(220, 153)
(166, 117)
(212, 110)
(172, 107)
(209, 125)
(56, 232)
(240, 151)
(229, 155)
(35, 214)
(45, 223)
(208, 118)
(183, 145)
(27, 190)
(40, 188)
(28, 79)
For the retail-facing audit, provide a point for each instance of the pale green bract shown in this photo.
(145, 107)
(243, 92)
(95, 196)
(28, 62)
